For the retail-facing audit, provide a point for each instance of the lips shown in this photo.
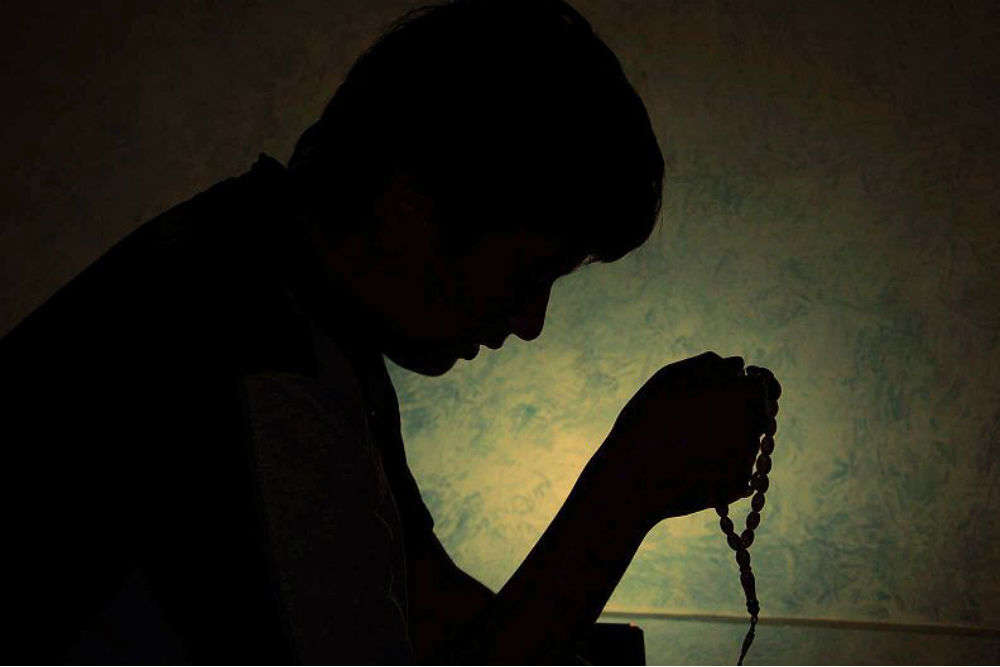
(495, 344)
(469, 350)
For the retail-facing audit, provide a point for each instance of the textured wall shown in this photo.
(830, 212)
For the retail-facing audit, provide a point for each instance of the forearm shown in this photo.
(443, 599)
(560, 589)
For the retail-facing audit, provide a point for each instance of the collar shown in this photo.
(280, 229)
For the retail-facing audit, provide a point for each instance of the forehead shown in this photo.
(527, 249)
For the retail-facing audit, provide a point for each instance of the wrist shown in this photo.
(612, 499)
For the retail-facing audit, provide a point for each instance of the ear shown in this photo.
(404, 198)
(404, 215)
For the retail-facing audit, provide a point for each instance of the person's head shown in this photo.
(478, 150)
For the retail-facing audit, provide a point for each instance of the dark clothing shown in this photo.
(149, 410)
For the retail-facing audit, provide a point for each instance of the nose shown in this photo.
(528, 322)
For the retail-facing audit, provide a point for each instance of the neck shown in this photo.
(324, 280)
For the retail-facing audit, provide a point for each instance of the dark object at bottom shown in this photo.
(613, 644)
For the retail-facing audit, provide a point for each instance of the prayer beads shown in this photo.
(759, 483)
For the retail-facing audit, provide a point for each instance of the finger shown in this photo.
(740, 490)
(687, 373)
(732, 492)
(727, 481)
(756, 403)
(738, 419)
(704, 361)
(731, 367)
(763, 411)
(748, 457)
(715, 492)
(731, 472)
(755, 424)
(723, 371)
(706, 370)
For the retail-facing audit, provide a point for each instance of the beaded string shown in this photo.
(759, 483)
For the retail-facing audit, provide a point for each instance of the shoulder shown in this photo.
(107, 301)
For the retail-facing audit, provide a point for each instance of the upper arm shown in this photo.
(335, 542)
(442, 598)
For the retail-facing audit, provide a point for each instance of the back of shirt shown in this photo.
(151, 413)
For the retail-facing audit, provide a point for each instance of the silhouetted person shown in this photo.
(202, 442)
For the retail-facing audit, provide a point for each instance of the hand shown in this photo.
(687, 440)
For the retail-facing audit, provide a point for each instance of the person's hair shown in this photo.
(513, 114)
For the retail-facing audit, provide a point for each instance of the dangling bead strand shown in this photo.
(759, 483)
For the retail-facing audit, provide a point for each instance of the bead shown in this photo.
(749, 585)
(771, 392)
(735, 543)
(760, 483)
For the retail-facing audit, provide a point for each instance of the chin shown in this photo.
(432, 365)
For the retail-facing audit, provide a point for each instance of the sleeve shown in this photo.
(334, 541)
(418, 523)
(344, 365)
